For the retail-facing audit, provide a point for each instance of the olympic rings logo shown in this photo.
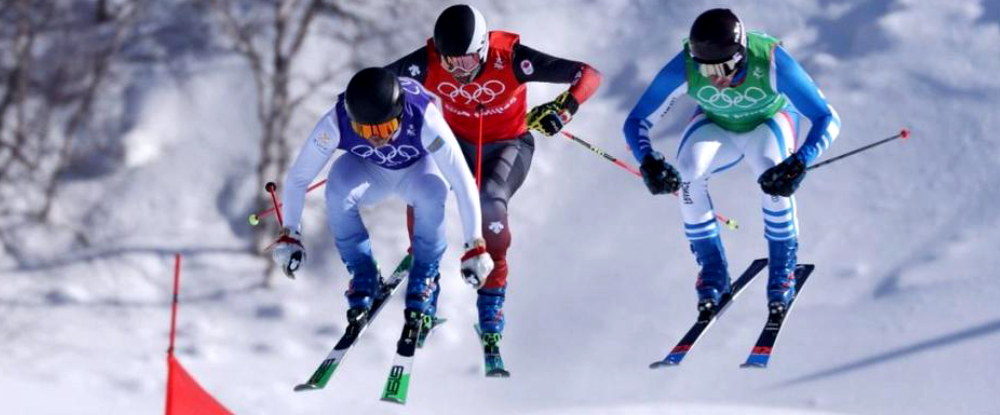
(473, 92)
(729, 98)
(387, 155)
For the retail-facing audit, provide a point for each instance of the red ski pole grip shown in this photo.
(905, 133)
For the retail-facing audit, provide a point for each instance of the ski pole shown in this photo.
(602, 153)
(903, 134)
(270, 187)
(730, 223)
(256, 217)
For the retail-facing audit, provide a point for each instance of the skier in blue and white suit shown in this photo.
(396, 141)
(745, 85)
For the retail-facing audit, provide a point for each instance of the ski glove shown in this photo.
(288, 252)
(476, 263)
(549, 118)
(660, 177)
(783, 179)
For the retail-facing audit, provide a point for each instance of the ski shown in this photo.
(397, 386)
(336, 356)
(761, 352)
(705, 320)
(492, 360)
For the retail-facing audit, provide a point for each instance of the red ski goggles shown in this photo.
(382, 131)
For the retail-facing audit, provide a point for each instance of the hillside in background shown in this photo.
(899, 317)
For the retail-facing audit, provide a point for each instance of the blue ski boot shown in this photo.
(490, 329)
(366, 282)
(430, 316)
(421, 289)
(713, 280)
(490, 304)
(781, 274)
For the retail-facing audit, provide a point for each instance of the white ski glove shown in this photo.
(288, 252)
(476, 263)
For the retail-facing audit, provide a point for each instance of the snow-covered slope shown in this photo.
(900, 315)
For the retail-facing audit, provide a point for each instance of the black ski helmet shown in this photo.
(717, 35)
(373, 96)
(461, 30)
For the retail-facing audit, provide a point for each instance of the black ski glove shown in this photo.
(549, 118)
(660, 177)
(783, 179)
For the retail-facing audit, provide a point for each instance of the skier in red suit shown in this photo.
(480, 77)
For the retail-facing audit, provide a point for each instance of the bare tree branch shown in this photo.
(102, 62)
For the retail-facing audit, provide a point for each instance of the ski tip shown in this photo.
(663, 363)
(307, 387)
(753, 365)
(498, 373)
(394, 400)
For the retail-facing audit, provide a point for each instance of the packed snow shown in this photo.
(900, 316)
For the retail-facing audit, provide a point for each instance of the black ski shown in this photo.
(705, 320)
(336, 356)
(761, 352)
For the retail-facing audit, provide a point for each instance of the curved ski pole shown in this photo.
(730, 223)
(256, 217)
(903, 134)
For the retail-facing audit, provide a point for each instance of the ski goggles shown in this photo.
(721, 69)
(463, 64)
(382, 131)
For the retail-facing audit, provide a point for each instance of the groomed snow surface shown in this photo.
(900, 316)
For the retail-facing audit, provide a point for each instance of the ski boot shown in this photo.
(490, 305)
(713, 280)
(492, 359)
(421, 296)
(413, 324)
(781, 275)
(365, 285)
(491, 323)
(357, 319)
(431, 320)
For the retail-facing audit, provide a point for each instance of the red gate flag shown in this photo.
(184, 395)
